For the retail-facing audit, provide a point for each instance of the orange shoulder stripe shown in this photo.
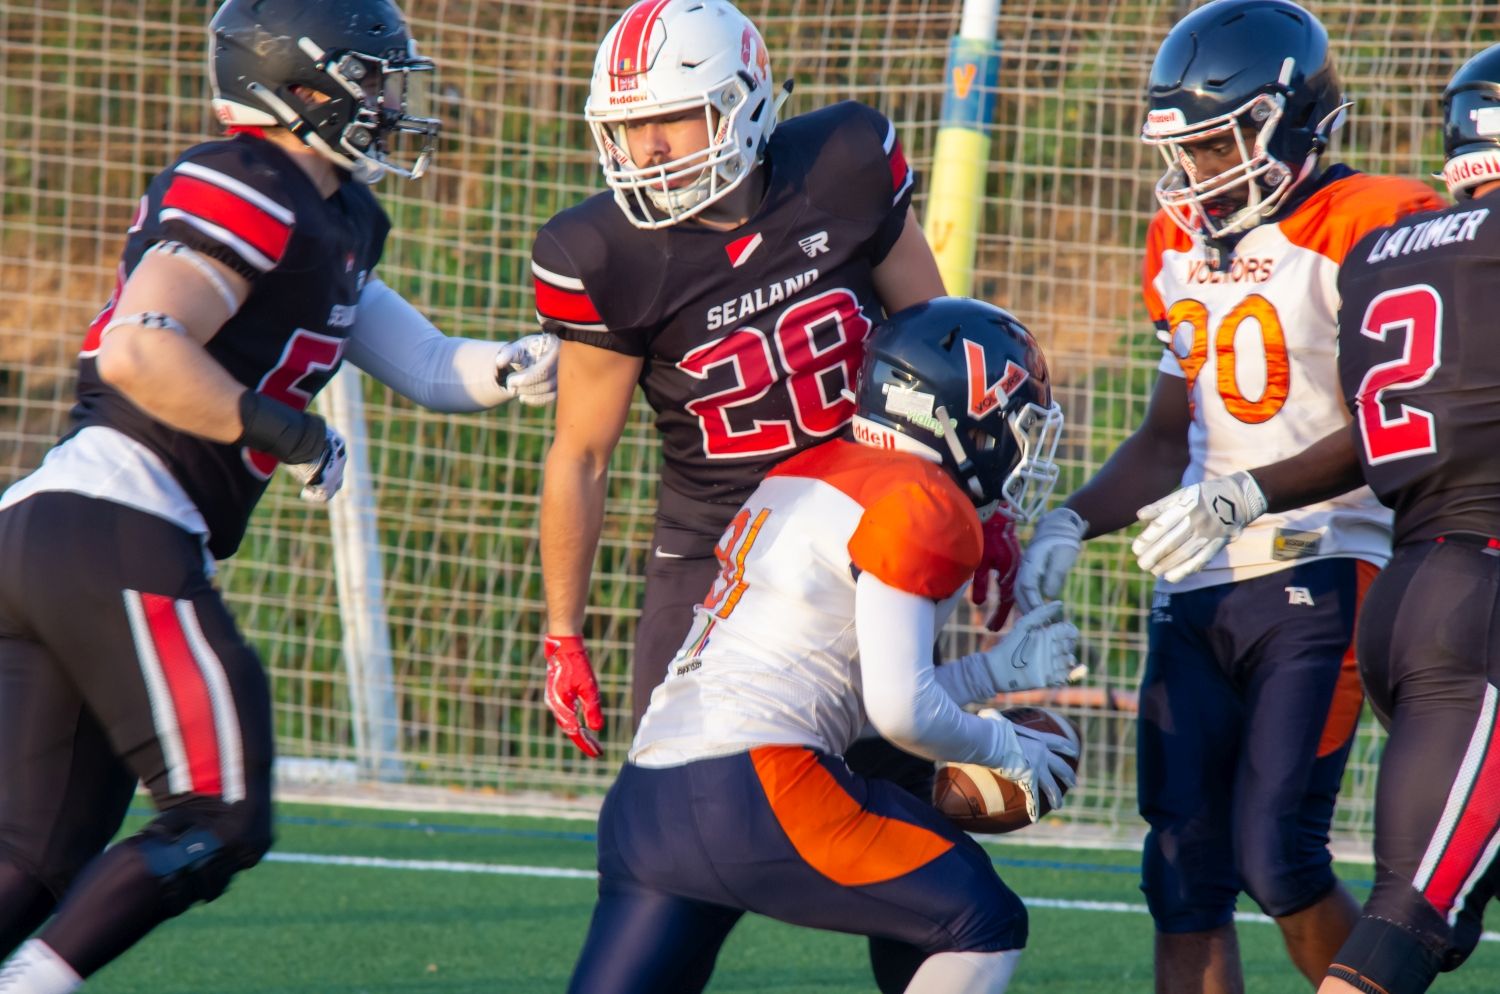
(830, 830)
(1161, 237)
(918, 533)
(1344, 211)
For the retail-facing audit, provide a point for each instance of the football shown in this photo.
(977, 799)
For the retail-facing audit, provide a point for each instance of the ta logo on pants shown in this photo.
(1299, 595)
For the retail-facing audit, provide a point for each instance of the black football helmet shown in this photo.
(1471, 124)
(963, 383)
(1261, 71)
(356, 53)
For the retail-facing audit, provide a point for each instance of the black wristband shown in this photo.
(280, 430)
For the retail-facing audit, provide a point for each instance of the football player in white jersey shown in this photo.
(1421, 377)
(243, 284)
(1250, 696)
(835, 578)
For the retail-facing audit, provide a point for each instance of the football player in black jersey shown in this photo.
(733, 270)
(1421, 376)
(244, 282)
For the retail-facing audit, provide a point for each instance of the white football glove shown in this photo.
(527, 369)
(322, 477)
(1037, 763)
(1189, 526)
(1054, 547)
(1039, 651)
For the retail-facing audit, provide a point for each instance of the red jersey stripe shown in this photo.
(190, 694)
(233, 213)
(565, 305)
(898, 167)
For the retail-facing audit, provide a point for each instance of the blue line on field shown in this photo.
(496, 831)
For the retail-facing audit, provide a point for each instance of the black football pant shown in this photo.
(1429, 651)
(119, 663)
(679, 571)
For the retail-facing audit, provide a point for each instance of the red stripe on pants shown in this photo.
(1477, 823)
(190, 694)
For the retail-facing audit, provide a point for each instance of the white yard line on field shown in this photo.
(552, 872)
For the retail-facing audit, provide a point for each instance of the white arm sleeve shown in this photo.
(394, 343)
(903, 698)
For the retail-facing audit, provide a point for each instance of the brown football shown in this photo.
(977, 799)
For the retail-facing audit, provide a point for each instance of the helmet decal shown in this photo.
(753, 54)
(984, 396)
(925, 388)
(631, 53)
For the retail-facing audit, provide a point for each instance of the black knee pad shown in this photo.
(1382, 957)
(193, 850)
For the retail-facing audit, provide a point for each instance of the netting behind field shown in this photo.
(96, 96)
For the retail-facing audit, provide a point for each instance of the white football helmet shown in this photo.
(669, 56)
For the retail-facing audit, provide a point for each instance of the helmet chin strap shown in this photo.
(956, 449)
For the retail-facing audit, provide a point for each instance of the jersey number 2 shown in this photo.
(306, 354)
(1415, 312)
(818, 404)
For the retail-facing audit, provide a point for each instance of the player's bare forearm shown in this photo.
(171, 378)
(573, 492)
(1146, 467)
(594, 388)
(1322, 471)
(1138, 473)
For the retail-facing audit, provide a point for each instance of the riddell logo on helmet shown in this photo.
(985, 396)
(1472, 166)
(1165, 119)
(866, 433)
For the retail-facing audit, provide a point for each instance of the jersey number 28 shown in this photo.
(815, 378)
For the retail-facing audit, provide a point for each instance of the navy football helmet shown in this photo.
(963, 383)
(357, 54)
(1471, 124)
(1261, 71)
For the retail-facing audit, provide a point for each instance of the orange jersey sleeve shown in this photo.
(917, 533)
(1161, 237)
(919, 538)
(1343, 212)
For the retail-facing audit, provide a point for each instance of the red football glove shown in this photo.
(570, 681)
(1002, 556)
